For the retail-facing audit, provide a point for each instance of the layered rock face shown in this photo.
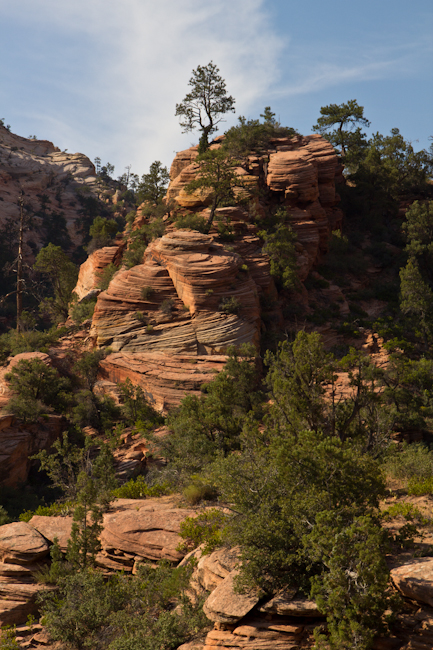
(194, 294)
(90, 271)
(300, 173)
(165, 319)
(38, 168)
(188, 276)
(134, 531)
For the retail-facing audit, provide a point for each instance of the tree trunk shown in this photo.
(212, 214)
(20, 266)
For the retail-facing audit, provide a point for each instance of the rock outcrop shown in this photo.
(90, 272)
(19, 441)
(134, 531)
(301, 174)
(194, 295)
(415, 580)
(48, 179)
(167, 318)
(244, 621)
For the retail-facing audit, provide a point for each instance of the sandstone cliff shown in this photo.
(193, 295)
(48, 179)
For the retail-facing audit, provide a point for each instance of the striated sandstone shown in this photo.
(38, 168)
(196, 274)
(182, 160)
(163, 378)
(92, 268)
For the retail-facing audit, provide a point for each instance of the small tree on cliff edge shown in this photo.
(345, 117)
(204, 106)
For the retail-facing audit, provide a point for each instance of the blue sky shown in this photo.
(102, 77)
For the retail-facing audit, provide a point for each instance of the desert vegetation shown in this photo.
(291, 451)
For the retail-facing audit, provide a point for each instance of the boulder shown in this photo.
(20, 543)
(149, 530)
(226, 606)
(52, 527)
(415, 580)
(285, 604)
(91, 269)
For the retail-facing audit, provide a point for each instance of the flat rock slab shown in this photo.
(12, 612)
(20, 543)
(284, 604)
(226, 606)
(52, 527)
(151, 531)
(415, 580)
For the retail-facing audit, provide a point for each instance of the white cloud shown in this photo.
(103, 76)
(142, 57)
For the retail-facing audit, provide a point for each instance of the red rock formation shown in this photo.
(165, 314)
(164, 378)
(91, 270)
(302, 171)
(39, 168)
(162, 335)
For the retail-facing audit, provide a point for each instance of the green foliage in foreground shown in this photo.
(123, 612)
(302, 489)
(191, 222)
(12, 343)
(39, 388)
(62, 274)
(211, 424)
(280, 245)
(137, 488)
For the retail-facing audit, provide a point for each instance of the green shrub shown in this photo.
(7, 637)
(106, 276)
(225, 231)
(39, 389)
(230, 305)
(191, 222)
(136, 248)
(167, 306)
(198, 491)
(414, 462)
(138, 489)
(102, 232)
(12, 343)
(207, 528)
(147, 292)
(280, 246)
(154, 229)
(420, 487)
(135, 407)
(140, 316)
(55, 509)
(83, 311)
(123, 612)
(4, 517)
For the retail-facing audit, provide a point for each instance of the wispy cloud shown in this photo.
(141, 57)
(325, 66)
(103, 76)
